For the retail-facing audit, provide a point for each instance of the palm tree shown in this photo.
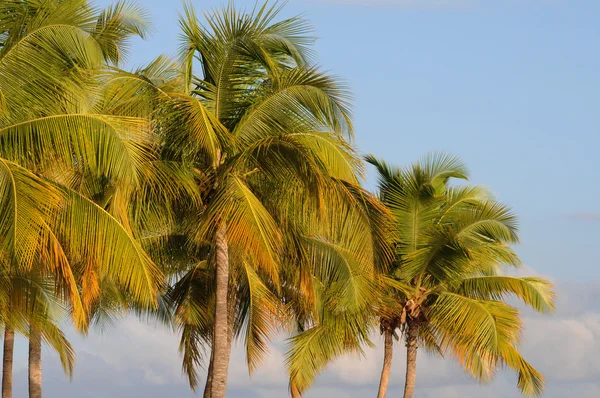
(446, 288)
(32, 307)
(267, 135)
(331, 283)
(50, 53)
(7, 361)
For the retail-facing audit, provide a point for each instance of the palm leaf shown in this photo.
(535, 292)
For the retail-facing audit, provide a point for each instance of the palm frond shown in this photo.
(116, 24)
(535, 292)
(97, 237)
(249, 225)
(110, 145)
(260, 309)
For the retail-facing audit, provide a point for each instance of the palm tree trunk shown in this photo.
(207, 392)
(7, 362)
(387, 363)
(221, 344)
(411, 360)
(35, 363)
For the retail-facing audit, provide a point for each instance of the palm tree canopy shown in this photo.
(268, 135)
(452, 244)
(53, 131)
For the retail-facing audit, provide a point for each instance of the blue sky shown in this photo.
(512, 87)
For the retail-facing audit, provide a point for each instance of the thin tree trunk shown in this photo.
(35, 363)
(411, 360)
(221, 344)
(207, 392)
(7, 362)
(387, 363)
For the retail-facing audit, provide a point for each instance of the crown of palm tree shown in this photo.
(56, 241)
(451, 245)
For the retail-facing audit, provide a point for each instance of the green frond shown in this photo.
(3, 104)
(249, 224)
(386, 173)
(463, 197)
(27, 206)
(346, 277)
(439, 167)
(55, 338)
(166, 188)
(97, 238)
(311, 350)
(115, 26)
(55, 258)
(536, 292)
(190, 345)
(110, 145)
(298, 100)
(203, 133)
(45, 65)
(403, 288)
(192, 296)
(487, 222)
(530, 381)
(260, 309)
(472, 323)
(489, 258)
(292, 37)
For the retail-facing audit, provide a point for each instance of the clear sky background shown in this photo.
(510, 86)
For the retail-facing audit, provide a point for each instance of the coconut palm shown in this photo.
(32, 309)
(267, 134)
(50, 53)
(447, 288)
(331, 283)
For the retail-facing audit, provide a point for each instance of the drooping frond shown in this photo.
(259, 307)
(97, 238)
(348, 280)
(489, 221)
(110, 145)
(202, 132)
(190, 345)
(55, 338)
(470, 322)
(530, 381)
(311, 350)
(249, 224)
(439, 167)
(28, 206)
(538, 293)
(386, 173)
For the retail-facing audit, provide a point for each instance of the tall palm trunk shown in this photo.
(387, 363)
(7, 362)
(35, 363)
(411, 360)
(221, 344)
(207, 389)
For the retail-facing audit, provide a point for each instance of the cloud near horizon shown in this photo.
(136, 359)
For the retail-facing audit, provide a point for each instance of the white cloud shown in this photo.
(139, 359)
(565, 350)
